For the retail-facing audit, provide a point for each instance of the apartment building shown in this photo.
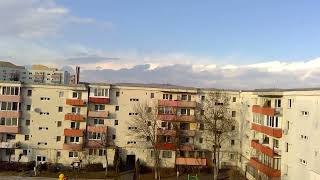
(35, 74)
(276, 130)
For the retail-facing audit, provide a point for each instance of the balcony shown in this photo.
(95, 144)
(189, 133)
(73, 132)
(177, 103)
(72, 147)
(166, 146)
(165, 132)
(186, 147)
(9, 129)
(73, 117)
(263, 110)
(99, 129)
(75, 102)
(99, 100)
(10, 98)
(264, 149)
(8, 145)
(191, 161)
(98, 114)
(270, 172)
(10, 114)
(274, 132)
(172, 117)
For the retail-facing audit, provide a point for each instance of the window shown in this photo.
(166, 154)
(277, 103)
(9, 106)
(99, 107)
(305, 113)
(186, 97)
(74, 139)
(10, 90)
(76, 95)
(233, 113)
(234, 99)
(275, 143)
(202, 112)
(290, 103)
(100, 92)
(9, 121)
(59, 123)
(116, 122)
(233, 128)
(152, 95)
(304, 162)
(117, 94)
(201, 126)
(98, 121)
(185, 111)
(200, 140)
(73, 154)
(29, 92)
(58, 153)
(117, 108)
(28, 107)
(203, 98)
(75, 110)
(26, 137)
(167, 96)
(94, 135)
(60, 109)
(41, 158)
(232, 142)
(58, 138)
(25, 152)
(287, 147)
(113, 136)
(231, 156)
(75, 125)
(27, 122)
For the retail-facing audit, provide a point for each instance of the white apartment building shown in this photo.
(276, 135)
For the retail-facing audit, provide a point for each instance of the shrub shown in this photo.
(94, 167)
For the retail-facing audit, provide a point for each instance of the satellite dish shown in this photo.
(38, 110)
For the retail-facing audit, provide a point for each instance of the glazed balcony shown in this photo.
(72, 147)
(165, 132)
(74, 117)
(95, 144)
(166, 146)
(191, 161)
(75, 102)
(172, 117)
(10, 98)
(73, 132)
(264, 149)
(8, 145)
(99, 100)
(98, 114)
(270, 172)
(177, 103)
(186, 147)
(9, 129)
(190, 133)
(10, 114)
(274, 132)
(99, 129)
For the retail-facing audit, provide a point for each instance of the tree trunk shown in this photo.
(106, 172)
(156, 164)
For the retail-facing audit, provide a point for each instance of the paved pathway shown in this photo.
(31, 178)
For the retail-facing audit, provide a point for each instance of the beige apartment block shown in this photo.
(275, 135)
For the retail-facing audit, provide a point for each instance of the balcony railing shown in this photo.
(186, 147)
(182, 118)
(189, 133)
(72, 147)
(75, 102)
(264, 149)
(263, 110)
(99, 100)
(191, 161)
(100, 129)
(73, 132)
(10, 98)
(10, 114)
(5, 145)
(177, 103)
(274, 132)
(73, 117)
(95, 144)
(165, 132)
(166, 146)
(9, 129)
(98, 114)
(268, 171)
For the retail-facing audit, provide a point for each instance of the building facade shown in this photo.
(276, 130)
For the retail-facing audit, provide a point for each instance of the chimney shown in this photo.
(77, 75)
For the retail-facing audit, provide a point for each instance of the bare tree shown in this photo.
(146, 131)
(218, 122)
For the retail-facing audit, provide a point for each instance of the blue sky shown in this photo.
(229, 43)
